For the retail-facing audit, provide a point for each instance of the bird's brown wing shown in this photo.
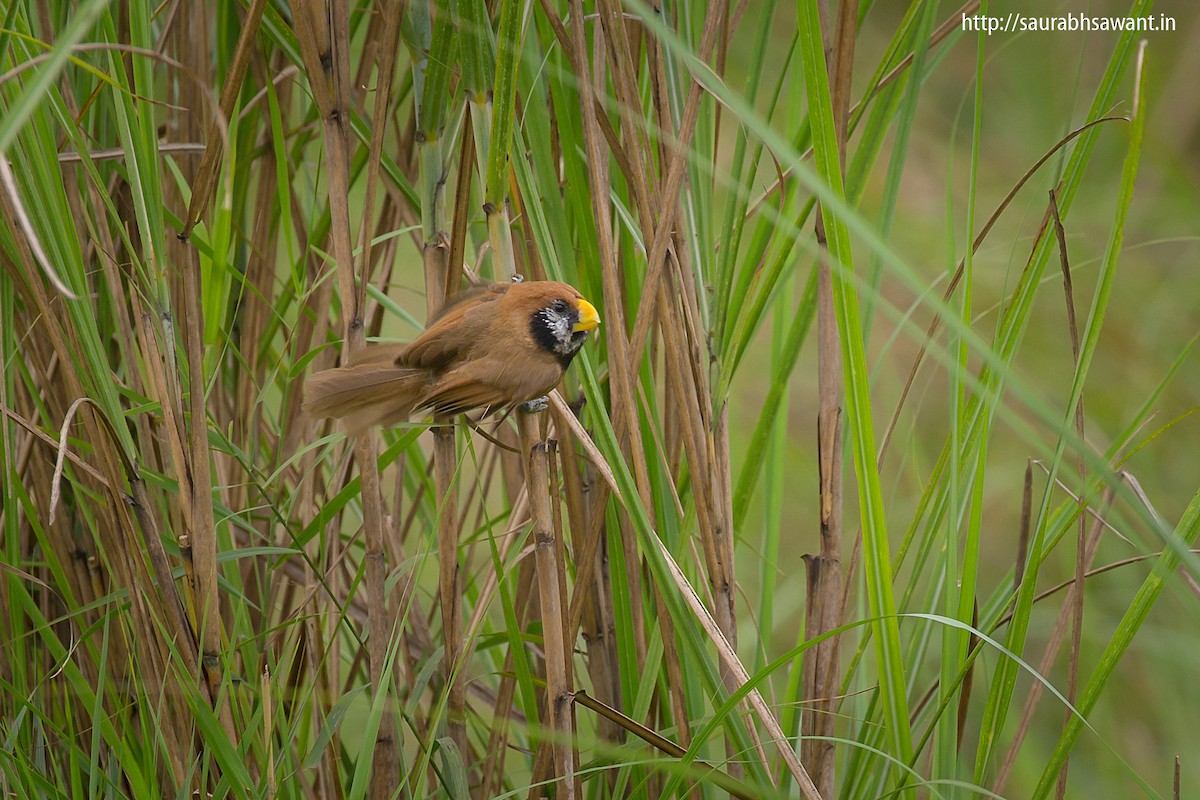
(492, 383)
(451, 335)
(473, 295)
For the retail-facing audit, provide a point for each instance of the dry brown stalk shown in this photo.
(203, 524)
(462, 193)
(328, 777)
(558, 722)
(592, 588)
(560, 549)
(116, 527)
(187, 303)
(733, 664)
(390, 36)
(725, 651)
(686, 381)
(675, 156)
(823, 608)
(621, 362)
(502, 712)
(559, 756)
(710, 773)
(205, 180)
(322, 29)
(685, 362)
(246, 421)
(268, 732)
(449, 587)
(441, 279)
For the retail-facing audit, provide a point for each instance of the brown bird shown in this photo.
(491, 347)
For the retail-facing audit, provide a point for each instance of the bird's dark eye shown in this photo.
(560, 306)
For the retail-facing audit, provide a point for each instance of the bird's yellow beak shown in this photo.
(588, 318)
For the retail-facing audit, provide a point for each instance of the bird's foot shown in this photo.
(535, 406)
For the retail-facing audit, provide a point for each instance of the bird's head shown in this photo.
(559, 318)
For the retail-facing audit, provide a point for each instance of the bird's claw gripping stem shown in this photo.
(535, 406)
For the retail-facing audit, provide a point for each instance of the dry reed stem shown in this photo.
(462, 195)
(383, 94)
(385, 777)
(165, 601)
(592, 591)
(555, 490)
(592, 607)
(686, 382)
(675, 156)
(187, 303)
(731, 662)
(686, 364)
(450, 587)
(503, 706)
(441, 282)
(268, 726)
(441, 277)
(247, 423)
(113, 524)
(329, 768)
(622, 366)
(704, 437)
(558, 722)
(823, 607)
(203, 523)
(560, 757)
(711, 774)
(205, 181)
(323, 33)
(730, 659)
(491, 582)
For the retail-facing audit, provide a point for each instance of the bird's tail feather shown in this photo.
(377, 354)
(373, 392)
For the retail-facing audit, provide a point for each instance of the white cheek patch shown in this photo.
(559, 326)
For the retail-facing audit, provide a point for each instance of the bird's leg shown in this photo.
(535, 406)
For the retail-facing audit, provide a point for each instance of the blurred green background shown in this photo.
(1033, 96)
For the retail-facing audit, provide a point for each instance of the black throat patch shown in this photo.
(554, 333)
